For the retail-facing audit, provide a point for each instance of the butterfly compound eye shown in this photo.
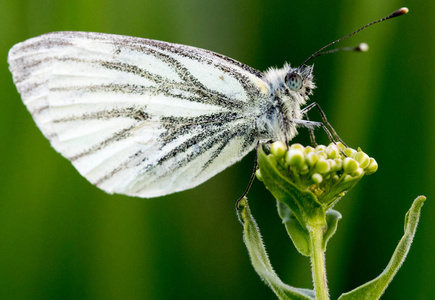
(293, 81)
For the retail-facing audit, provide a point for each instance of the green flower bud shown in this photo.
(347, 178)
(338, 164)
(332, 151)
(350, 165)
(340, 146)
(322, 166)
(372, 167)
(358, 172)
(312, 158)
(309, 149)
(363, 159)
(349, 152)
(332, 165)
(323, 155)
(297, 147)
(320, 148)
(294, 157)
(317, 178)
(278, 149)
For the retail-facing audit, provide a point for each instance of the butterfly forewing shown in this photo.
(136, 116)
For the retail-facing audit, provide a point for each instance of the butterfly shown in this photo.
(148, 118)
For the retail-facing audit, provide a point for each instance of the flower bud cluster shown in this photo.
(322, 168)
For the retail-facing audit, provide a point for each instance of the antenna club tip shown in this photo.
(363, 47)
(400, 11)
(404, 10)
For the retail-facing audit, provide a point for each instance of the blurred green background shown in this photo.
(62, 238)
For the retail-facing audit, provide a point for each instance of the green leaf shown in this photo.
(260, 259)
(298, 234)
(374, 289)
(332, 218)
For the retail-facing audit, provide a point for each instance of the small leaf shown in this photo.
(374, 289)
(260, 260)
(299, 235)
(332, 218)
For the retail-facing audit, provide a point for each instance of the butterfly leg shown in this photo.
(311, 131)
(251, 180)
(305, 111)
(310, 125)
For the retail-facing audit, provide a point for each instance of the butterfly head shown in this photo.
(294, 83)
(300, 80)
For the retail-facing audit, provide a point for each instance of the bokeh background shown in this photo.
(62, 238)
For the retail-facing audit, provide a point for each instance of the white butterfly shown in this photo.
(147, 118)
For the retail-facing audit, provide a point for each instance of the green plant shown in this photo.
(307, 182)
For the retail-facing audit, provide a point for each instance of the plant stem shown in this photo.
(318, 268)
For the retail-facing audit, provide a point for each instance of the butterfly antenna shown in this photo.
(399, 12)
(362, 47)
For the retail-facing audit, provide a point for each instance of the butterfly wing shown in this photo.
(136, 116)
